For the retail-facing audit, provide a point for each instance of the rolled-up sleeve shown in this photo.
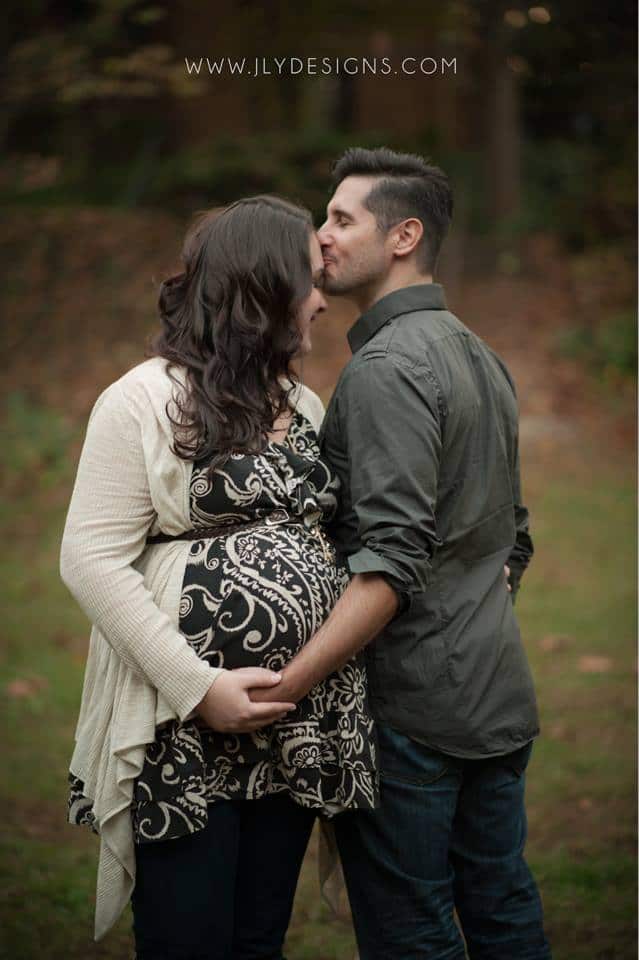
(393, 436)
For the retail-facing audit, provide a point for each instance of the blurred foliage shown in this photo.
(609, 348)
(94, 51)
(568, 189)
(206, 174)
(96, 95)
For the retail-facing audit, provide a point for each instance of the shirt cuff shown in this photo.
(367, 561)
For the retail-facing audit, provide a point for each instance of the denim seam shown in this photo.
(422, 782)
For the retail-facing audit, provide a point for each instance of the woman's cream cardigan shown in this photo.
(140, 670)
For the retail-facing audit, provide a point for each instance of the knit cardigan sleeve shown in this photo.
(109, 517)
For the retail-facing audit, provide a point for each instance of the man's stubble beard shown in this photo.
(337, 287)
(361, 277)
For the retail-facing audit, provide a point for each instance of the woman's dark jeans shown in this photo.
(226, 892)
(449, 834)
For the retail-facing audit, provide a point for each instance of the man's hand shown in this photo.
(227, 707)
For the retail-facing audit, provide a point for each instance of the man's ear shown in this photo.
(405, 236)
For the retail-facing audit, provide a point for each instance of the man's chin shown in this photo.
(336, 288)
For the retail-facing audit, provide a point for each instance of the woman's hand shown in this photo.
(228, 708)
(284, 691)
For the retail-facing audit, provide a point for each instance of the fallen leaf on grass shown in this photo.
(70, 641)
(585, 803)
(558, 731)
(554, 641)
(594, 664)
(26, 687)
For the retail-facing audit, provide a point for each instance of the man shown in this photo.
(422, 430)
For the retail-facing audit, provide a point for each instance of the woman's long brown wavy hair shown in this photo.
(229, 320)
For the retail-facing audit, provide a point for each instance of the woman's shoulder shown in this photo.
(151, 385)
(140, 394)
(151, 375)
(146, 380)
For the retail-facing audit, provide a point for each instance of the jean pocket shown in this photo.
(403, 760)
(518, 760)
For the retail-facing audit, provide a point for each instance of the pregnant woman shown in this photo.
(194, 543)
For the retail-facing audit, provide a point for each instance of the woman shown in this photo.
(194, 544)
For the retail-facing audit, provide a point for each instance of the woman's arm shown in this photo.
(109, 517)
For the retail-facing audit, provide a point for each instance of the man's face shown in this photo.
(356, 253)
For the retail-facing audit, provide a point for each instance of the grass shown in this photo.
(579, 617)
(577, 611)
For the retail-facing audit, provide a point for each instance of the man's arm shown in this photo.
(392, 432)
(523, 550)
(365, 607)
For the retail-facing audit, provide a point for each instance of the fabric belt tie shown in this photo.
(226, 529)
(217, 530)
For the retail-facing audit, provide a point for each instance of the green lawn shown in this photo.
(577, 610)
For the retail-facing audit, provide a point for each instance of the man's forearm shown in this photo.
(365, 607)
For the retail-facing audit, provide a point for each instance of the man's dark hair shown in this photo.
(408, 187)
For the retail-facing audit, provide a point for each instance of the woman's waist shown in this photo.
(205, 528)
(305, 529)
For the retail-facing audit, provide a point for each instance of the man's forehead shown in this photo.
(351, 193)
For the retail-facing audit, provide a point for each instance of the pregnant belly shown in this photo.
(254, 598)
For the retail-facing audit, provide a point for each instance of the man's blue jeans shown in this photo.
(449, 834)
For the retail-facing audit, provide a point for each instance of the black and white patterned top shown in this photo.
(254, 597)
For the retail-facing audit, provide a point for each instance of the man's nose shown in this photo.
(323, 235)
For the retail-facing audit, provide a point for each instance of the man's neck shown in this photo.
(367, 297)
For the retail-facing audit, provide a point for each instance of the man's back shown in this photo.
(422, 430)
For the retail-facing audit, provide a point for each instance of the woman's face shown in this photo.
(314, 303)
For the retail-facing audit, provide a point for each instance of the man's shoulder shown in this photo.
(412, 340)
(411, 334)
(501, 364)
(385, 367)
(431, 346)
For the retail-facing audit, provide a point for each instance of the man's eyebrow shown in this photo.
(338, 212)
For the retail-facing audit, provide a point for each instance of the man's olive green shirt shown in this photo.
(422, 431)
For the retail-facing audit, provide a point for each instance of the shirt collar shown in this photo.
(422, 296)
